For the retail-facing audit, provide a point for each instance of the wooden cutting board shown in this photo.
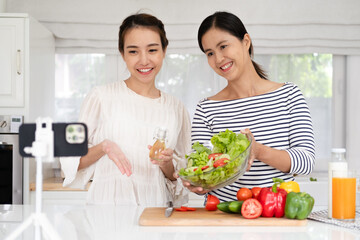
(203, 217)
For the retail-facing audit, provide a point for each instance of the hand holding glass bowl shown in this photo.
(205, 177)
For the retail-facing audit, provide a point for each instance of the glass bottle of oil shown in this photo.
(159, 144)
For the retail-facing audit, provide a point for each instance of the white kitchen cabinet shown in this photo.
(27, 76)
(27, 67)
(12, 45)
(60, 197)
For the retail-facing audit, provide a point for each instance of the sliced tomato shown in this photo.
(180, 209)
(185, 209)
(190, 209)
(251, 208)
(255, 192)
(214, 155)
(212, 202)
(203, 168)
(221, 162)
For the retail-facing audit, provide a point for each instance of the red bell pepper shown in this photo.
(273, 200)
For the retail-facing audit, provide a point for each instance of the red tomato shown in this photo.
(243, 194)
(255, 192)
(203, 168)
(221, 162)
(212, 202)
(214, 155)
(251, 208)
(181, 209)
(185, 209)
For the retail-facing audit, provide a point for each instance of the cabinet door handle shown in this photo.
(18, 62)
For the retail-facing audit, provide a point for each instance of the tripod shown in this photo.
(43, 150)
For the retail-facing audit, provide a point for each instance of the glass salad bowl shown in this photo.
(212, 175)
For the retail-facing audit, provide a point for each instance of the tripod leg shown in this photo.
(21, 228)
(48, 229)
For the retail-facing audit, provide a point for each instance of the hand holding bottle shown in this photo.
(159, 144)
(163, 158)
(116, 154)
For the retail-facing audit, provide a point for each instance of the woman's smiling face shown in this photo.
(143, 53)
(226, 54)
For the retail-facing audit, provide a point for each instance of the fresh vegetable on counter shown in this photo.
(287, 186)
(298, 205)
(255, 192)
(251, 208)
(224, 207)
(273, 201)
(212, 202)
(230, 207)
(243, 194)
(235, 206)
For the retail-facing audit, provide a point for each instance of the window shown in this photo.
(312, 73)
(190, 78)
(75, 75)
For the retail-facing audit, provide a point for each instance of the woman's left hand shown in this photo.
(165, 163)
(166, 157)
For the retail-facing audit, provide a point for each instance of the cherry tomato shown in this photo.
(251, 208)
(243, 194)
(214, 155)
(212, 202)
(255, 192)
(221, 162)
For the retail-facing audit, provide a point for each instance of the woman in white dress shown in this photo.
(122, 117)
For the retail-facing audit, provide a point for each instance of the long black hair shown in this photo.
(232, 24)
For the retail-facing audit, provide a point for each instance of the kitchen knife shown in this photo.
(169, 209)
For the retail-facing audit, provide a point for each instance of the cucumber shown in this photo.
(224, 206)
(235, 206)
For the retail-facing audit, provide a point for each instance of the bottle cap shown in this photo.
(338, 150)
(161, 132)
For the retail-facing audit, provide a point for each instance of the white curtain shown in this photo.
(276, 27)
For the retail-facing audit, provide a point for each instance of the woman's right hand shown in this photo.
(192, 188)
(117, 156)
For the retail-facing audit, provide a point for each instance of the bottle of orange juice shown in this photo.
(159, 145)
(338, 162)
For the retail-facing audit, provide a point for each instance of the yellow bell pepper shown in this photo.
(287, 186)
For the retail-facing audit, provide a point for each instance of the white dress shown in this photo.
(117, 113)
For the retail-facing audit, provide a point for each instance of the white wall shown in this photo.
(278, 26)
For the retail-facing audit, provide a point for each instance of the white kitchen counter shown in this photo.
(104, 222)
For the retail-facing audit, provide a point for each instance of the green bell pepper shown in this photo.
(298, 205)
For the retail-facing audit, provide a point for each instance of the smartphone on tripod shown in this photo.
(70, 139)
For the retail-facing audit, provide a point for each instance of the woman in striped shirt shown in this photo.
(275, 114)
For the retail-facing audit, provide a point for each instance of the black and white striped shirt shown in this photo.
(279, 119)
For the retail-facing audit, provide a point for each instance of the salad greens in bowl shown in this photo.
(221, 166)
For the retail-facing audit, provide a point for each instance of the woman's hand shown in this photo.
(165, 157)
(165, 163)
(247, 132)
(117, 156)
(198, 190)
